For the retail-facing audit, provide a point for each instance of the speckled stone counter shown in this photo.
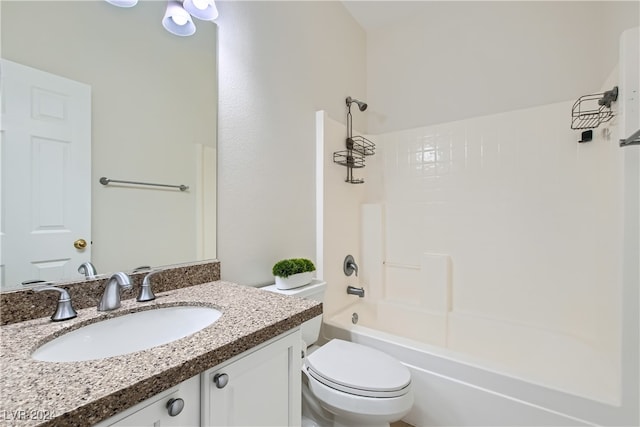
(84, 393)
(24, 304)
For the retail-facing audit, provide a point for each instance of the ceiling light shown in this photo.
(177, 20)
(202, 9)
(123, 3)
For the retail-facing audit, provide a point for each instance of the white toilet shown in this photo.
(345, 383)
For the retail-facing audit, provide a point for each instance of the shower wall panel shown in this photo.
(528, 218)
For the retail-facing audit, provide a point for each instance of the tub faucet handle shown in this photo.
(349, 266)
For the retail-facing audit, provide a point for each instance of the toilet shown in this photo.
(345, 383)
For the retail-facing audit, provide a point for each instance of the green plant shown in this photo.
(287, 267)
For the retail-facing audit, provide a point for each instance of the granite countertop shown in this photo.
(84, 393)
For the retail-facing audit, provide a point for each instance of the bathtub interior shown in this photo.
(514, 351)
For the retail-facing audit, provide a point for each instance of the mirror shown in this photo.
(153, 119)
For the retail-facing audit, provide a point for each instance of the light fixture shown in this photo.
(202, 9)
(123, 3)
(177, 20)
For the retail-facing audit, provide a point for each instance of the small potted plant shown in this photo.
(293, 273)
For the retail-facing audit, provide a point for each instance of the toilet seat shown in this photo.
(358, 370)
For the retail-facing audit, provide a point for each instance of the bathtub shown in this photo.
(457, 384)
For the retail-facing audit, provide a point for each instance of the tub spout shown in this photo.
(352, 290)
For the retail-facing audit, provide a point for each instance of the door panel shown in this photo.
(46, 174)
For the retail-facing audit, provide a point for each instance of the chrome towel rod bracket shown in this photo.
(107, 181)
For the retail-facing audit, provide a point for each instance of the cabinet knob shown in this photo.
(175, 406)
(221, 380)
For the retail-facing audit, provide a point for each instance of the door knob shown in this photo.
(80, 244)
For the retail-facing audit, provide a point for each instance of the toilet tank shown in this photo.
(313, 291)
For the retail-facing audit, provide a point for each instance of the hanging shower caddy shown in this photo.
(590, 111)
(357, 147)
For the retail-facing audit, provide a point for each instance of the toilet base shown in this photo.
(314, 415)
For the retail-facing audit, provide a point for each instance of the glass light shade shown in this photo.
(177, 20)
(205, 10)
(123, 3)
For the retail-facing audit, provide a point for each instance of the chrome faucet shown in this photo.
(111, 297)
(352, 290)
(64, 310)
(88, 270)
(349, 266)
(146, 293)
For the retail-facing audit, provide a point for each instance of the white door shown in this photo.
(46, 175)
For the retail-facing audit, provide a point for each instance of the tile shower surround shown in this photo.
(529, 217)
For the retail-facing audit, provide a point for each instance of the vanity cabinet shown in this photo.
(156, 411)
(260, 387)
(257, 388)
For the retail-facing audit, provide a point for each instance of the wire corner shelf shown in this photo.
(349, 159)
(361, 145)
(590, 111)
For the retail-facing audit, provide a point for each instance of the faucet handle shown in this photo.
(64, 310)
(349, 266)
(88, 270)
(34, 282)
(146, 293)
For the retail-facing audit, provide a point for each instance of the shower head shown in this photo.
(361, 105)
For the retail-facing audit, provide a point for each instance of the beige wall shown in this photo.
(279, 63)
(153, 99)
(338, 208)
(453, 60)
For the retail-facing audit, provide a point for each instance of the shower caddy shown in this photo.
(357, 148)
(590, 111)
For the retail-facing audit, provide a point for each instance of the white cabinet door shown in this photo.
(154, 412)
(46, 174)
(258, 389)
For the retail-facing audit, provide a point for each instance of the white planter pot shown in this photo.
(294, 281)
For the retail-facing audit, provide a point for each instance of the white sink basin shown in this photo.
(127, 334)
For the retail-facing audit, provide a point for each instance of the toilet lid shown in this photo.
(360, 370)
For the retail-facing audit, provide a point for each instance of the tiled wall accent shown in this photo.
(24, 305)
(530, 219)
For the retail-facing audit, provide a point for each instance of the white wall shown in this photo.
(453, 60)
(279, 62)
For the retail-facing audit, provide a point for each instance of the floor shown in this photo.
(400, 424)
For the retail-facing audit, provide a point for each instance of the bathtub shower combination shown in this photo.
(502, 269)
